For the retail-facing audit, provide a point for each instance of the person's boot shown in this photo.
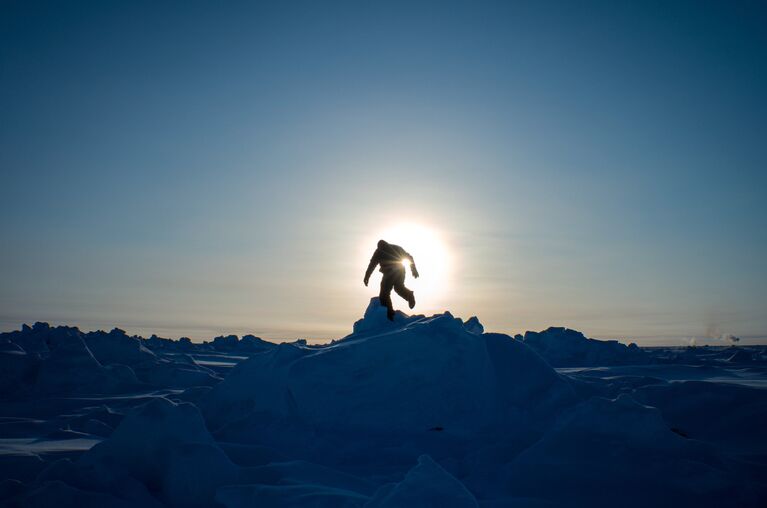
(390, 314)
(411, 300)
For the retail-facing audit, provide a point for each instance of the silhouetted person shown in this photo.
(391, 258)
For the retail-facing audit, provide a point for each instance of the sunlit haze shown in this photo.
(228, 168)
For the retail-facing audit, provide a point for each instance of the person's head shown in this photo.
(382, 244)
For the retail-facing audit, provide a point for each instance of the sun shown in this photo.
(431, 256)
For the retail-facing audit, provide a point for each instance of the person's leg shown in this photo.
(399, 287)
(387, 282)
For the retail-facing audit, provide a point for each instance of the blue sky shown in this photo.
(200, 168)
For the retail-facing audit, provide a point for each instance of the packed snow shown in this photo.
(419, 412)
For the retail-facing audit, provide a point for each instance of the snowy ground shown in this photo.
(427, 411)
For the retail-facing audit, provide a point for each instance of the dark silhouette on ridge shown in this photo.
(391, 258)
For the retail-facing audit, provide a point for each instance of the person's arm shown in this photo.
(413, 269)
(372, 266)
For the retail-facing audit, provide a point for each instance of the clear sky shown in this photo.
(203, 168)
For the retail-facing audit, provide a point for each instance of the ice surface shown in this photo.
(426, 485)
(288, 496)
(612, 447)
(167, 447)
(296, 483)
(562, 347)
(423, 411)
(409, 376)
(248, 344)
(63, 360)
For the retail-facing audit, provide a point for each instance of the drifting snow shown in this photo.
(422, 411)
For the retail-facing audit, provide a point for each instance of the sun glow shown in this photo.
(432, 260)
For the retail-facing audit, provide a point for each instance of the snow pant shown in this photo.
(394, 279)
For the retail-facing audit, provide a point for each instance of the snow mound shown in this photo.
(31, 339)
(426, 485)
(116, 347)
(620, 452)
(412, 375)
(562, 347)
(248, 344)
(289, 496)
(687, 406)
(474, 326)
(166, 447)
(58, 493)
(161, 344)
(70, 367)
(375, 318)
(63, 359)
(296, 484)
(17, 369)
